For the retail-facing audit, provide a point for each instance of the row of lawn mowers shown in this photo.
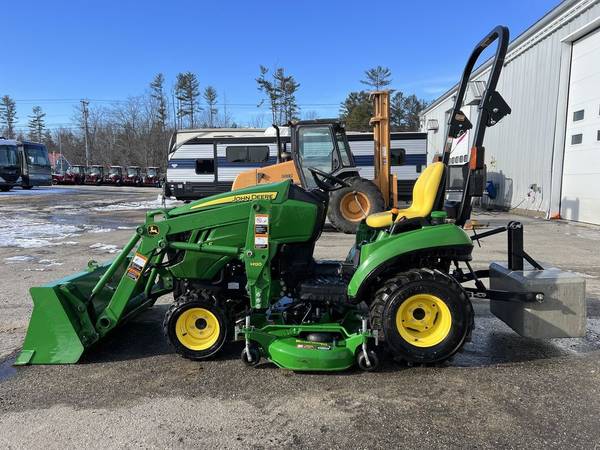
(113, 175)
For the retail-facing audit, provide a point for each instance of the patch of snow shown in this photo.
(49, 262)
(108, 248)
(26, 232)
(19, 258)
(150, 204)
(125, 228)
(100, 230)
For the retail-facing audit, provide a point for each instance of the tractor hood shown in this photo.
(276, 192)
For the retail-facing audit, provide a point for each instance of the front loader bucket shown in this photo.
(61, 325)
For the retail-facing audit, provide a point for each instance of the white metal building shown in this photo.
(544, 156)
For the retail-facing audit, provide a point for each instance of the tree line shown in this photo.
(136, 131)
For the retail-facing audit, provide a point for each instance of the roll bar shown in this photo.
(492, 108)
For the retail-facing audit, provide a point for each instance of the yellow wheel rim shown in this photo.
(355, 206)
(197, 329)
(423, 320)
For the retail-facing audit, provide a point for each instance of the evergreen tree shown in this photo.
(210, 97)
(280, 91)
(158, 95)
(377, 77)
(187, 91)
(397, 112)
(356, 111)
(8, 116)
(37, 124)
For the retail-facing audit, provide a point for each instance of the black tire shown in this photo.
(26, 188)
(5, 188)
(406, 287)
(254, 352)
(361, 361)
(348, 221)
(205, 302)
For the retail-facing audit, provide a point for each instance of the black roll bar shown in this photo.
(492, 108)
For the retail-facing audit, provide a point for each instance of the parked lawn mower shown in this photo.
(240, 265)
(151, 177)
(133, 176)
(115, 176)
(94, 175)
(74, 175)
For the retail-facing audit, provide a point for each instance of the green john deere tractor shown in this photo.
(240, 266)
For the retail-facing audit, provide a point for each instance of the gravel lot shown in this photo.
(503, 390)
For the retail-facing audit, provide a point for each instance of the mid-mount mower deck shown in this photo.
(240, 266)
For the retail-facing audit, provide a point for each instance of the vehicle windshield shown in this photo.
(342, 143)
(76, 169)
(315, 149)
(8, 155)
(95, 171)
(151, 172)
(37, 155)
(133, 171)
(115, 171)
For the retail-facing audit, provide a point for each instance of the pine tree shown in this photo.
(397, 111)
(377, 77)
(187, 90)
(8, 116)
(210, 97)
(356, 111)
(412, 107)
(158, 95)
(280, 91)
(268, 88)
(37, 124)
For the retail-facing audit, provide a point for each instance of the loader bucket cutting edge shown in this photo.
(62, 322)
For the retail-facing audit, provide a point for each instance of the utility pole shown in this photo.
(84, 105)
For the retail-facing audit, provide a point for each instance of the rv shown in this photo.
(204, 162)
(10, 170)
(36, 169)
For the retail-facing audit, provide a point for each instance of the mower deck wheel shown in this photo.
(254, 358)
(362, 361)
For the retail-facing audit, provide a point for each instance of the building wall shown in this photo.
(519, 150)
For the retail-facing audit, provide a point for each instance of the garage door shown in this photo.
(581, 170)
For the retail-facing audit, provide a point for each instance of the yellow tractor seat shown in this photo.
(424, 194)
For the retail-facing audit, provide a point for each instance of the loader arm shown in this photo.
(73, 313)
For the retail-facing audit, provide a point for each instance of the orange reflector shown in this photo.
(473, 159)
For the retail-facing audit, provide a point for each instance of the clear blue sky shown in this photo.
(56, 52)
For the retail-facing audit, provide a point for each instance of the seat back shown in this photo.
(426, 190)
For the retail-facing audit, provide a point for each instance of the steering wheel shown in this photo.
(336, 183)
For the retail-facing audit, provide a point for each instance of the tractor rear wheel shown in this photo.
(348, 206)
(195, 326)
(422, 315)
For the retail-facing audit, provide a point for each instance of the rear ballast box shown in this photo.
(561, 314)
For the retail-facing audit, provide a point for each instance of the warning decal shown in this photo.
(138, 262)
(261, 231)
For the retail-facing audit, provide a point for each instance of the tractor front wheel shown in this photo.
(423, 316)
(195, 325)
(348, 206)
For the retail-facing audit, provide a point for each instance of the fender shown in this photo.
(391, 250)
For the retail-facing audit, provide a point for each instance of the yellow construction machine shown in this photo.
(322, 144)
